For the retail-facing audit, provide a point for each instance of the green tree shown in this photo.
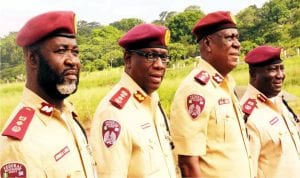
(177, 51)
(126, 24)
(181, 25)
(11, 58)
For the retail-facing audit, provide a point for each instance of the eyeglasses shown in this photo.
(152, 56)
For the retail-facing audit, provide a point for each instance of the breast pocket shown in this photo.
(153, 158)
(64, 174)
(277, 142)
(145, 160)
(227, 123)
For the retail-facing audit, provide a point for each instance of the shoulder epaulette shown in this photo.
(202, 77)
(120, 98)
(19, 125)
(249, 106)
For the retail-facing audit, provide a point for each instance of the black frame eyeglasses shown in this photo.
(152, 56)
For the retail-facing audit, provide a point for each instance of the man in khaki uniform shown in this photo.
(130, 132)
(272, 125)
(42, 138)
(206, 121)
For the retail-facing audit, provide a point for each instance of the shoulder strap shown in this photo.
(202, 77)
(120, 98)
(18, 126)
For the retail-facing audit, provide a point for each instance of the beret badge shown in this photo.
(75, 23)
(167, 37)
(232, 17)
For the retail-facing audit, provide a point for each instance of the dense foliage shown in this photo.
(277, 23)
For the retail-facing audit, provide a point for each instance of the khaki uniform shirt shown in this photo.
(131, 140)
(206, 121)
(52, 146)
(274, 137)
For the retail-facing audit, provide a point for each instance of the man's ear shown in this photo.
(253, 73)
(206, 42)
(127, 59)
(31, 58)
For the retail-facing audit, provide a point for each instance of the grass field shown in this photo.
(93, 86)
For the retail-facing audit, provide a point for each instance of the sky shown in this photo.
(14, 13)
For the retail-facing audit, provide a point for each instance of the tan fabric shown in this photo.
(274, 138)
(218, 135)
(142, 149)
(45, 138)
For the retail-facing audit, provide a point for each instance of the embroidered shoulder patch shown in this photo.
(249, 106)
(120, 98)
(202, 77)
(19, 125)
(195, 105)
(110, 132)
(14, 169)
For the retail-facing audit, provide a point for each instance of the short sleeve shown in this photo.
(16, 160)
(189, 128)
(111, 144)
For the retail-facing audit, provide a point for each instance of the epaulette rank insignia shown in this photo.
(120, 98)
(249, 106)
(19, 125)
(202, 77)
(139, 96)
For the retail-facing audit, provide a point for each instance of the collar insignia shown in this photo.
(218, 78)
(139, 96)
(46, 108)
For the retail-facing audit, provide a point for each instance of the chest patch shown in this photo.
(274, 120)
(195, 105)
(16, 170)
(110, 132)
(61, 153)
(146, 125)
(224, 101)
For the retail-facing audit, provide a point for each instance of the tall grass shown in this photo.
(93, 86)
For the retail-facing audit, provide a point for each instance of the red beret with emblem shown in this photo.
(145, 36)
(54, 23)
(263, 55)
(213, 22)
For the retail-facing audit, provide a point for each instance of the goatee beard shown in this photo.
(54, 84)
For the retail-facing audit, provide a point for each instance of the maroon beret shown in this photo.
(145, 36)
(213, 22)
(263, 55)
(47, 24)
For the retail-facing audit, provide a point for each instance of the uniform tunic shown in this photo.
(274, 137)
(53, 145)
(206, 121)
(131, 141)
